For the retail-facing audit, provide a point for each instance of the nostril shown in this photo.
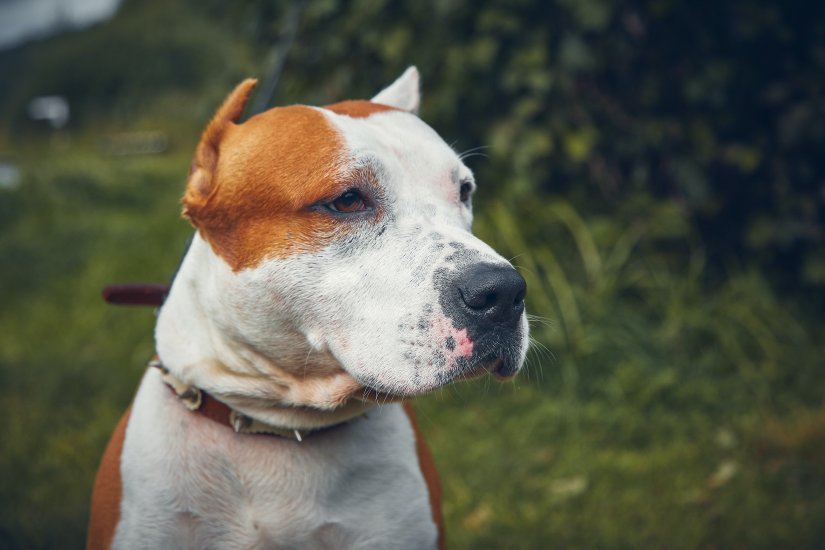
(479, 299)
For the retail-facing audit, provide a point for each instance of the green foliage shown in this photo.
(116, 70)
(652, 168)
(68, 363)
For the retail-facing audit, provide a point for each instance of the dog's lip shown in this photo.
(494, 366)
(497, 368)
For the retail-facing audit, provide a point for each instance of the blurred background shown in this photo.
(654, 168)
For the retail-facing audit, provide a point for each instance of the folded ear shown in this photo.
(403, 93)
(201, 183)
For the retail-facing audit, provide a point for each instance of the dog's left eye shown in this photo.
(350, 201)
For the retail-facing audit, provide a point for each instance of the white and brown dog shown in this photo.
(333, 274)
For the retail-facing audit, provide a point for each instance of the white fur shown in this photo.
(191, 483)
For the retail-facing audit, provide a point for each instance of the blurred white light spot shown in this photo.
(52, 108)
(9, 176)
(24, 20)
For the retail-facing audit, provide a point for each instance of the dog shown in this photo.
(332, 276)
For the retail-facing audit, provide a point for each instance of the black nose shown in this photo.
(493, 293)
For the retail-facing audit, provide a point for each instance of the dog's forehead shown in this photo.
(293, 152)
(397, 139)
(298, 154)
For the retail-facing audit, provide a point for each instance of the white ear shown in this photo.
(403, 93)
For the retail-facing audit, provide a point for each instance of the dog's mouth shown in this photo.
(497, 367)
(501, 370)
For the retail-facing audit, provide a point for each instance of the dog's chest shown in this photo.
(189, 482)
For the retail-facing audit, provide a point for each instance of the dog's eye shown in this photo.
(465, 191)
(350, 201)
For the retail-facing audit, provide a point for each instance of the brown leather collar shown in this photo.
(200, 402)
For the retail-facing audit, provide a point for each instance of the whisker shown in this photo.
(473, 152)
(537, 319)
(470, 155)
(525, 268)
(541, 353)
(306, 362)
(534, 343)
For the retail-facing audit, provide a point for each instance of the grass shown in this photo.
(660, 407)
(68, 363)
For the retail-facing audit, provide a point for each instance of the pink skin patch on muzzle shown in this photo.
(454, 342)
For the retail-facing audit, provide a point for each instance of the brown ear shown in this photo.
(201, 183)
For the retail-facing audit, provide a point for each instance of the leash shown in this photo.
(138, 294)
(143, 294)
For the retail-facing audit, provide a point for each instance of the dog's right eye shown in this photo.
(350, 201)
(465, 191)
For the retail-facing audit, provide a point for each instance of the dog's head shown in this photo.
(340, 238)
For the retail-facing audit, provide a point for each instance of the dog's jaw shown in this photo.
(294, 383)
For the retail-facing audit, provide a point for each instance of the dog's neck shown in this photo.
(247, 380)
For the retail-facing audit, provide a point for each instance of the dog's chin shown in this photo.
(497, 367)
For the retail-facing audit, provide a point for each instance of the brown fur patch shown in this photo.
(108, 491)
(358, 108)
(267, 174)
(428, 469)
